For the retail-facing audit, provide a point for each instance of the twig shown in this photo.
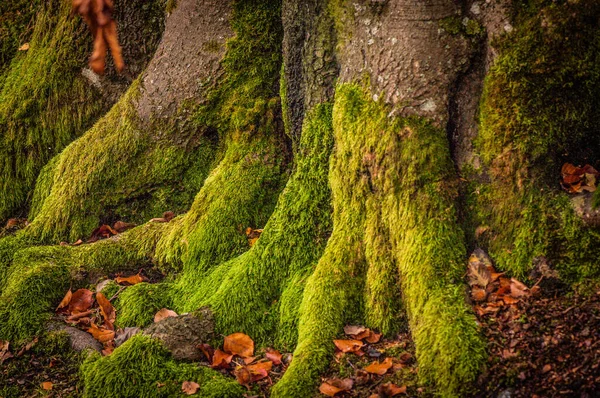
(117, 293)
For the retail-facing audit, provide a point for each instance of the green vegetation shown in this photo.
(538, 112)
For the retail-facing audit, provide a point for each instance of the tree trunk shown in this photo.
(375, 142)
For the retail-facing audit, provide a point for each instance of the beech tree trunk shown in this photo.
(375, 142)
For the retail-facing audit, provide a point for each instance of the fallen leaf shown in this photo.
(164, 313)
(24, 47)
(101, 334)
(121, 226)
(547, 368)
(260, 370)
(478, 274)
(221, 360)
(353, 330)
(405, 357)
(239, 344)
(207, 351)
(4, 351)
(132, 280)
(27, 347)
(243, 376)
(65, 301)
(107, 310)
(478, 294)
(518, 289)
(189, 387)
(332, 387)
(373, 337)
(380, 368)
(274, 356)
(47, 385)
(102, 232)
(81, 301)
(362, 377)
(391, 390)
(348, 345)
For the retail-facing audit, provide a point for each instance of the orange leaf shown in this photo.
(65, 301)
(243, 376)
(189, 387)
(101, 334)
(132, 280)
(121, 226)
(478, 294)
(239, 344)
(47, 385)
(207, 351)
(107, 310)
(221, 360)
(164, 313)
(260, 370)
(380, 368)
(274, 356)
(348, 345)
(373, 337)
(354, 330)
(81, 300)
(391, 390)
(332, 387)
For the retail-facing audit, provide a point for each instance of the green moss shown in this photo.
(455, 25)
(137, 304)
(142, 367)
(16, 22)
(538, 111)
(394, 230)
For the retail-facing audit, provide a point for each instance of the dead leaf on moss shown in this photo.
(380, 368)
(478, 273)
(190, 387)
(24, 47)
(102, 232)
(131, 280)
(27, 347)
(260, 370)
(65, 301)
(107, 310)
(348, 345)
(81, 301)
(239, 344)
(4, 351)
(207, 350)
(579, 179)
(47, 385)
(164, 313)
(167, 216)
(121, 226)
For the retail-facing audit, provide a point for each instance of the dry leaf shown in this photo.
(362, 377)
(189, 387)
(132, 280)
(274, 356)
(353, 330)
(391, 390)
(207, 351)
(121, 226)
(260, 370)
(239, 344)
(332, 387)
(107, 310)
(102, 232)
(380, 368)
(4, 351)
(164, 313)
(348, 345)
(221, 360)
(373, 337)
(47, 385)
(478, 294)
(81, 301)
(65, 301)
(478, 274)
(24, 47)
(27, 347)
(101, 334)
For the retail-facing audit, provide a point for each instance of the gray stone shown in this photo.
(182, 334)
(80, 340)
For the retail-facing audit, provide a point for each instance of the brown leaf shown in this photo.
(65, 301)
(405, 357)
(107, 310)
(362, 377)
(190, 387)
(478, 274)
(478, 294)
(27, 347)
(81, 301)
(518, 289)
(274, 356)
(4, 351)
(47, 385)
(260, 370)
(243, 376)
(24, 47)
(547, 368)
(221, 360)
(102, 232)
(353, 330)
(121, 226)
(332, 387)
(164, 313)
(380, 368)
(391, 390)
(239, 344)
(373, 337)
(132, 280)
(207, 351)
(348, 345)
(101, 334)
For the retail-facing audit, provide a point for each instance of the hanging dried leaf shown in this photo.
(348, 345)
(107, 310)
(239, 344)
(380, 368)
(164, 313)
(65, 301)
(131, 280)
(190, 387)
(81, 301)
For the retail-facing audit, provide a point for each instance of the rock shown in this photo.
(80, 340)
(182, 334)
(508, 393)
(582, 203)
(125, 334)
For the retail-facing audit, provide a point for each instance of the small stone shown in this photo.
(79, 339)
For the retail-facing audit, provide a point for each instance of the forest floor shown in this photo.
(543, 341)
